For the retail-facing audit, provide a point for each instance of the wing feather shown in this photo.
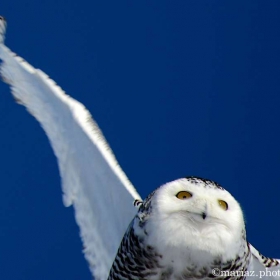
(92, 180)
(262, 267)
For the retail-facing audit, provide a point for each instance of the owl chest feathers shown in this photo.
(143, 255)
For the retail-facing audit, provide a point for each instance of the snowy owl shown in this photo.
(190, 228)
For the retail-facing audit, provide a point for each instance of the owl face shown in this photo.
(197, 213)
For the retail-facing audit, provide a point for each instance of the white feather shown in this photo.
(92, 180)
(258, 270)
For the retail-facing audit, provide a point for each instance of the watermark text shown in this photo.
(238, 273)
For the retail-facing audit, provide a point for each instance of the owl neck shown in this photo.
(187, 243)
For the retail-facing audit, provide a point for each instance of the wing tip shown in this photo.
(3, 26)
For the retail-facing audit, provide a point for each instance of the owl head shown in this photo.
(194, 214)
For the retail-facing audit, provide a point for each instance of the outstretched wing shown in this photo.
(262, 267)
(92, 180)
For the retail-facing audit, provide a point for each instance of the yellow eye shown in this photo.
(223, 204)
(183, 195)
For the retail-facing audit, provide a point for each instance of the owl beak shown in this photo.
(204, 213)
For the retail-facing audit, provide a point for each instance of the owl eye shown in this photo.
(183, 195)
(223, 204)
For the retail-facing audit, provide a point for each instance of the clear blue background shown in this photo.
(178, 88)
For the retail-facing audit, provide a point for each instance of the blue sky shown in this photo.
(178, 88)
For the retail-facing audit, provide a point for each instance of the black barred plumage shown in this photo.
(137, 203)
(134, 259)
(267, 262)
(137, 260)
(206, 182)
